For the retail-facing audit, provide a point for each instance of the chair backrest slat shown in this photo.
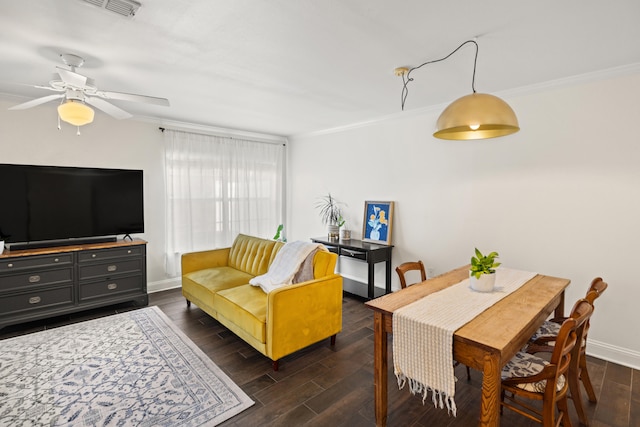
(403, 268)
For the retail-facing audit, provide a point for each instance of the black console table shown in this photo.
(371, 253)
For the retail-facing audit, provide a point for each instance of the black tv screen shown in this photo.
(51, 203)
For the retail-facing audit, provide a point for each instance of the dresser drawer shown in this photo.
(12, 264)
(103, 254)
(108, 269)
(36, 300)
(36, 278)
(106, 288)
(353, 253)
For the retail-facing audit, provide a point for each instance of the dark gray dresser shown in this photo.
(48, 282)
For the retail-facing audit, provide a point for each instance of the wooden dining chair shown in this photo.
(544, 341)
(405, 267)
(529, 377)
(402, 270)
(550, 328)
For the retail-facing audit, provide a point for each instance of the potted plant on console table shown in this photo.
(482, 274)
(331, 215)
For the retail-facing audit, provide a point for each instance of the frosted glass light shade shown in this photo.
(476, 116)
(76, 113)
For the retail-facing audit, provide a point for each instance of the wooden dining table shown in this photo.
(486, 343)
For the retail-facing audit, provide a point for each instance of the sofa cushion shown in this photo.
(245, 306)
(203, 284)
(252, 255)
(324, 264)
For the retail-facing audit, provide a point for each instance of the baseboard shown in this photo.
(163, 285)
(612, 353)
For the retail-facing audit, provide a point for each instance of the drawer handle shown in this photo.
(353, 253)
(93, 255)
(112, 268)
(56, 260)
(129, 251)
(112, 286)
(9, 265)
(34, 279)
(34, 300)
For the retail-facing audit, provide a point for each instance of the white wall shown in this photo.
(561, 197)
(31, 137)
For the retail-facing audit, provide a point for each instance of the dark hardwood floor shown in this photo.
(333, 386)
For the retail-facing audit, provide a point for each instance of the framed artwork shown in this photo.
(376, 226)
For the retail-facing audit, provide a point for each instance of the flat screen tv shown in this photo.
(53, 205)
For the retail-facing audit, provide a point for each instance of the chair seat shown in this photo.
(547, 329)
(528, 377)
(525, 365)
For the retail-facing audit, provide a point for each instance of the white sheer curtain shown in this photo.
(217, 187)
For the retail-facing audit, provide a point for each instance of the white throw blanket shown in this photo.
(423, 334)
(285, 265)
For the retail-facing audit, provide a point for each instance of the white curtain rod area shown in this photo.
(228, 133)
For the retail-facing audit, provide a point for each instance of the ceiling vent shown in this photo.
(126, 8)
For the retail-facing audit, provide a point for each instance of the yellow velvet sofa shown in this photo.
(276, 324)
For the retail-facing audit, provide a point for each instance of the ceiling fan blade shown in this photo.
(47, 88)
(36, 101)
(133, 98)
(71, 78)
(35, 86)
(108, 108)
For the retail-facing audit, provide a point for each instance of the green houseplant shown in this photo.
(331, 215)
(482, 272)
(279, 236)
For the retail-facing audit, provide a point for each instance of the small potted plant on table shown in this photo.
(482, 274)
(345, 233)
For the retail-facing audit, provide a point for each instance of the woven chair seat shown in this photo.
(525, 365)
(548, 329)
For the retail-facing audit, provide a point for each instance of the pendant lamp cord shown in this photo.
(406, 77)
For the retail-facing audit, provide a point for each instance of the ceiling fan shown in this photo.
(78, 90)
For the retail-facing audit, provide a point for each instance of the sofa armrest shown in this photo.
(302, 314)
(194, 261)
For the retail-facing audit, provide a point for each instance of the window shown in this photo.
(217, 187)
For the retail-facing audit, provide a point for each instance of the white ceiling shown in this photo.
(290, 67)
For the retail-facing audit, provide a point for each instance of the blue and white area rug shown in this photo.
(129, 369)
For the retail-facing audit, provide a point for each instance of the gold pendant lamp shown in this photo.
(474, 116)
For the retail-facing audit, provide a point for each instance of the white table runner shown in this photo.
(423, 334)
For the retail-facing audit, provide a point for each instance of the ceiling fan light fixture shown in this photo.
(476, 116)
(79, 90)
(76, 113)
